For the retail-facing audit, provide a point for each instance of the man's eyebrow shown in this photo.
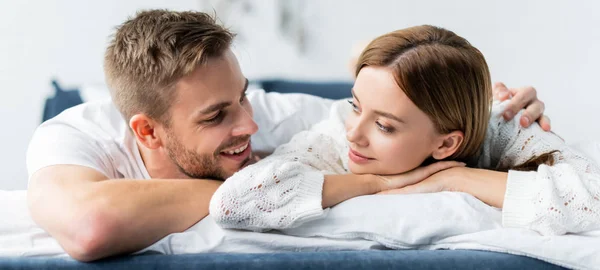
(220, 105)
(213, 108)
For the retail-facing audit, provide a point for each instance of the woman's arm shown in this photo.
(486, 185)
(561, 196)
(283, 189)
(294, 184)
(556, 199)
(298, 180)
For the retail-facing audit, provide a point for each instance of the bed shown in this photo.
(384, 259)
(377, 257)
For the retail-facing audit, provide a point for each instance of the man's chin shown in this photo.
(231, 170)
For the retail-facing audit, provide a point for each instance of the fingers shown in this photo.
(533, 112)
(501, 92)
(423, 173)
(440, 166)
(545, 123)
(390, 182)
(522, 97)
(393, 191)
(421, 187)
(412, 189)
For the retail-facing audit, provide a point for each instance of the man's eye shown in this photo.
(218, 117)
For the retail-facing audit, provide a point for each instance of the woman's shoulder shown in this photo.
(333, 126)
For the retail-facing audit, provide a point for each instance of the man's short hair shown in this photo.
(150, 52)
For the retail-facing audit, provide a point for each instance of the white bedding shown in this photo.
(428, 221)
(423, 221)
(19, 235)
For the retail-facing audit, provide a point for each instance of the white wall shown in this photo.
(552, 45)
(40, 40)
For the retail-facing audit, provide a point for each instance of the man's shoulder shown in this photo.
(99, 119)
(92, 134)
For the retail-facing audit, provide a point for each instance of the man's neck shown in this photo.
(158, 164)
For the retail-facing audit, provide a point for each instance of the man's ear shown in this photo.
(145, 130)
(447, 144)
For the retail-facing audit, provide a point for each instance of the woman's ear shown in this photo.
(448, 144)
(144, 129)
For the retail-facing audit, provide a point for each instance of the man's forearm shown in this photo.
(144, 211)
(94, 220)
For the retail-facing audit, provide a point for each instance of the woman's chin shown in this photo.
(360, 169)
(357, 169)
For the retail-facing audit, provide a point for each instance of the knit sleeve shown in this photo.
(559, 198)
(285, 189)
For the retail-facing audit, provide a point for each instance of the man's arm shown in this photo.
(90, 217)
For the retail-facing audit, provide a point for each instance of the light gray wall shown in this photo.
(552, 45)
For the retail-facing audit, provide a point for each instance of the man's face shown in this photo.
(211, 121)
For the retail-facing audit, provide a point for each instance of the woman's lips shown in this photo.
(356, 157)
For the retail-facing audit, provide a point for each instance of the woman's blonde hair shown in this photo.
(443, 75)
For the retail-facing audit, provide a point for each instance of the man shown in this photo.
(179, 114)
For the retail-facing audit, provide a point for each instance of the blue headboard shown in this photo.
(67, 98)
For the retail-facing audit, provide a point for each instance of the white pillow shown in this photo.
(404, 221)
(447, 220)
(19, 235)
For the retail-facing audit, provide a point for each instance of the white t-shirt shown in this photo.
(95, 135)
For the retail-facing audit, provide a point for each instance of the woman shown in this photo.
(422, 96)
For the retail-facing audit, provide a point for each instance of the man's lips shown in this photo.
(242, 156)
(239, 148)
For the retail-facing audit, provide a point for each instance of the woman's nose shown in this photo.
(355, 136)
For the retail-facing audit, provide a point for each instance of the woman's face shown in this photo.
(387, 133)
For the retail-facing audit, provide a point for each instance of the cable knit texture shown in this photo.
(284, 190)
(557, 199)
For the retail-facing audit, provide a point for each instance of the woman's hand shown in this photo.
(398, 181)
(340, 187)
(486, 185)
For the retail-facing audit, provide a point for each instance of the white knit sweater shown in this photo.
(284, 190)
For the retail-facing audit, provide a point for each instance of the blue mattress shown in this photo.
(375, 259)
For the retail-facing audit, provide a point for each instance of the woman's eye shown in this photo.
(243, 98)
(354, 107)
(384, 128)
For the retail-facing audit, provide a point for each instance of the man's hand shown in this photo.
(522, 98)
